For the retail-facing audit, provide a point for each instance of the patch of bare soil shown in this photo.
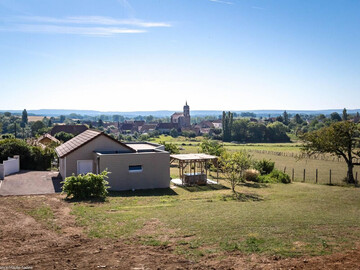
(25, 241)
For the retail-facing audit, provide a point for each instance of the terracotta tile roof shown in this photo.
(47, 135)
(81, 140)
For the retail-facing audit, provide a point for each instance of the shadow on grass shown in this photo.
(242, 197)
(128, 193)
(91, 200)
(209, 187)
(255, 185)
(143, 193)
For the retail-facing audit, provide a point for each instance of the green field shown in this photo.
(288, 220)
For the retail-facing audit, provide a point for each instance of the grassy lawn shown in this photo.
(288, 220)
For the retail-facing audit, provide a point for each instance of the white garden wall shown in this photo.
(10, 166)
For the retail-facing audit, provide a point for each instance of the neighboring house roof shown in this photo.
(82, 139)
(139, 123)
(73, 129)
(206, 124)
(48, 136)
(167, 126)
(147, 127)
(127, 126)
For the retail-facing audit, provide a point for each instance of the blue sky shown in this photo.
(127, 55)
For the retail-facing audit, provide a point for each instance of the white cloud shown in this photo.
(222, 2)
(79, 25)
(97, 20)
(56, 29)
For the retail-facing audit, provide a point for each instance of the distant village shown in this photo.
(180, 123)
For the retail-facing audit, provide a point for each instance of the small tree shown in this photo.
(174, 133)
(335, 116)
(171, 148)
(233, 166)
(341, 139)
(36, 126)
(63, 136)
(211, 148)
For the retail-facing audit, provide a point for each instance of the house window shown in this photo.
(135, 168)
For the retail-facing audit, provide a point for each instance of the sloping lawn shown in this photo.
(286, 220)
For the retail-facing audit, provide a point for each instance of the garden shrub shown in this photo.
(252, 175)
(31, 157)
(264, 166)
(275, 176)
(86, 186)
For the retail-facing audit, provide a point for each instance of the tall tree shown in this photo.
(100, 123)
(341, 139)
(298, 119)
(62, 118)
(357, 117)
(24, 117)
(286, 118)
(227, 122)
(344, 115)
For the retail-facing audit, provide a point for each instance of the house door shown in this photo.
(84, 166)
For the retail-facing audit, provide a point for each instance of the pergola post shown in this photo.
(206, 169)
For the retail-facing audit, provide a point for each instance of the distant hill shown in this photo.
(164, 113)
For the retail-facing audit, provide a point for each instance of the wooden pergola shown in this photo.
(193, 168)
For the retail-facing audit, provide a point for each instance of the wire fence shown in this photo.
(321, 169)
(325, 157)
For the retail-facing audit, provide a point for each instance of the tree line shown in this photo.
(246, 131)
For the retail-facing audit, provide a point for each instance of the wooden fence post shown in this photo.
(316, 176)
(304, 176)
(284, 169)
(293, 172)
(330, 176)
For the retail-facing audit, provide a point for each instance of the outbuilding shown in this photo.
(131, 166)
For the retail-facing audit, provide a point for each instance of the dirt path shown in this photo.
(25, 241)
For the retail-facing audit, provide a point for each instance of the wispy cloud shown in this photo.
(92, 20)
(222, 2)
(79, 25)
(55, 29)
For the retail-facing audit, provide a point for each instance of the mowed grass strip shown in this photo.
(288, 220)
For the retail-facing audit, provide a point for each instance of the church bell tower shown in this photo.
(187, 114)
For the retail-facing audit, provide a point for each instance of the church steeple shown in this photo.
(186, 109)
